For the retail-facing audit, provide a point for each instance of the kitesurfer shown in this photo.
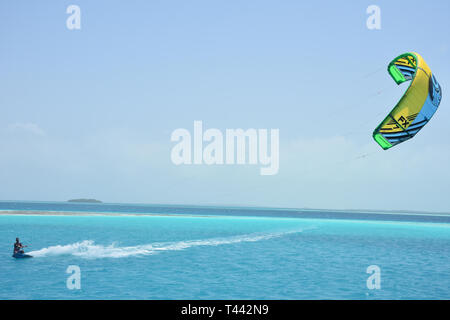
(18, 247)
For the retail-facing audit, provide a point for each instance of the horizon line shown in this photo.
(236, 206)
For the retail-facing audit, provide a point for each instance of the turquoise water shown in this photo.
(220, 256)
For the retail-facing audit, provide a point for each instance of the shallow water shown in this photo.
(222, 257)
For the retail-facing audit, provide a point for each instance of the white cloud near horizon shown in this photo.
(125, 166)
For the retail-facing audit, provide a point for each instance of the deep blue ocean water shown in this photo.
(222, 253)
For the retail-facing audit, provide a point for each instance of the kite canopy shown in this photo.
(416, 107)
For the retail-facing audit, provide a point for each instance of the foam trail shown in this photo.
(88, 249)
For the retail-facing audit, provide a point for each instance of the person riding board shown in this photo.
(18, 247)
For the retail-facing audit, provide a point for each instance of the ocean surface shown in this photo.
(187, 252)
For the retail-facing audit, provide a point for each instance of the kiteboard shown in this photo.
(21, 255)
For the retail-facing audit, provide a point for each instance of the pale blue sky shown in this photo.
(89, 113)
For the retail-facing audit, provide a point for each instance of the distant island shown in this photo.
(85, 200)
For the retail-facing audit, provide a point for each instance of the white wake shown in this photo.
(88, 248)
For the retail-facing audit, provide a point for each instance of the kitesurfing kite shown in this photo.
(417, 105)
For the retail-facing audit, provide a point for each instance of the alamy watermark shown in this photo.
(373, 22)
(73, 22)
(236, 146)
(73, 282)
(374, 280)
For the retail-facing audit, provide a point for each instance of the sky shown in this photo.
(90, 112)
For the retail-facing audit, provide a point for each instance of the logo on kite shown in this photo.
(417, 105)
